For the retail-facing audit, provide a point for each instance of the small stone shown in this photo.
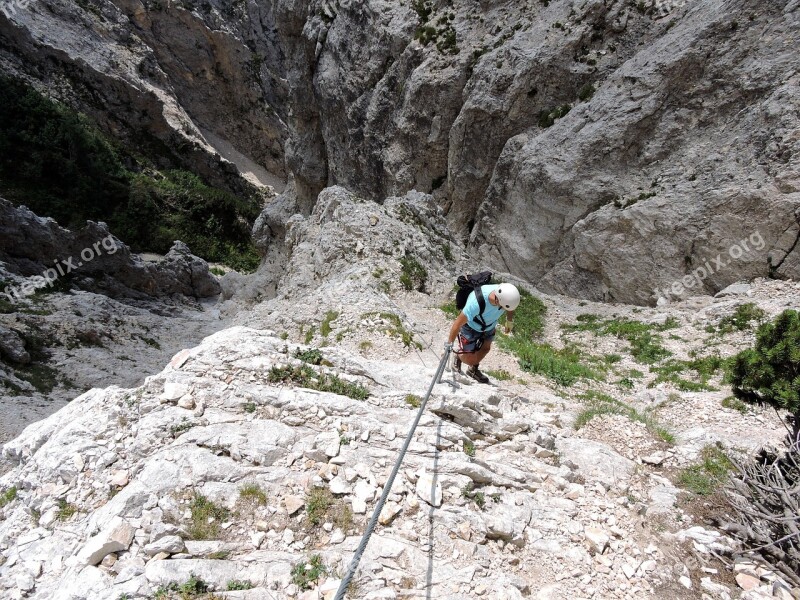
(654, 459)
(628, 570)
(119, 478)
(685, 582)
(257, 539)
(389, 512)
(171, 544)
(173, 391)
(288, 536)
(337, 537)
(293, 504)
(598, 539)
(747, 582)
(359, 506)
(186, 402)
(117, 536)
(429, 489)
(109, 561)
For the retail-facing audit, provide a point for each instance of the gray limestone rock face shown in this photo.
(607, 150)
(12, 346)
(41, 254)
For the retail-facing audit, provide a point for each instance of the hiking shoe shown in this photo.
(476, 374)
(456, 363)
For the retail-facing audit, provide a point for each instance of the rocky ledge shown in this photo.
(252, 463)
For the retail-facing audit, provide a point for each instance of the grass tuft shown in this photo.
(8, 496)
(709, 475)
(206, 518)
(305, 376)
(413, 400)
(599, 404)
(306, 573)
(254, 493)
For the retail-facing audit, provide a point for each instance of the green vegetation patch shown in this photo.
(709, 475)
(742, 319)
(238, 584)
(703, 367)
(413, 275)
(306, 573)
(565, 366)
(192, 588)
(312, 356)
(769, 372)
(65, 510)
(305, 376)
(318, 502)
(396, 328)
(499, 374)
(206, 518)
(478, 497)
(253, 493)
(646, 346)
(325, 327)
(8, 496)
(58, 163)
(598, 404)
(413, 400)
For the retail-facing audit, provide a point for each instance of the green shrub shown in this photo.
(318, 502)
(548, 117)
(238, 584)
(468, 492)
(469, 448)
(769, 373)
(733, 403)
(450, 309)
(413, 275)
(413, 400)
(65, 510)
(500, 374)
(742, 318)
(396, 328)
(646, 347)
(586, 92)
(312, 356)
(565, 366)
(599, 404)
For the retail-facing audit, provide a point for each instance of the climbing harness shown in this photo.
(388, 487)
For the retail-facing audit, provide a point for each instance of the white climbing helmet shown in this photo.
(507, 296)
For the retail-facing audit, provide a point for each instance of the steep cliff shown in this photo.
(603, 148)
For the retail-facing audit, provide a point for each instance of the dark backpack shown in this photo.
(468, 284)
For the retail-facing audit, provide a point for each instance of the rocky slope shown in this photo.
(682, 133)
(78, 310)
(109, 489)
(265, 447)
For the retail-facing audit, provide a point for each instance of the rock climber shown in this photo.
(475, 328)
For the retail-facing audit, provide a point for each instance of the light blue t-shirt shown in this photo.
(491, 314)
